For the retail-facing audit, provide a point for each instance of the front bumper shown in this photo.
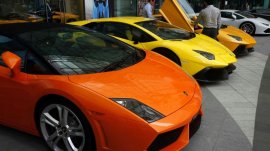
(214, 74)
(242, 50)
(169, 133)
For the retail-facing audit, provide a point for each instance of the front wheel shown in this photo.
(248, 27)
(64, 129)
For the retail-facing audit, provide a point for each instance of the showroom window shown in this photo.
(60, 11)
(125, 7)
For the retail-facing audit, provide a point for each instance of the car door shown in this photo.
(226, 18)
(14, 90)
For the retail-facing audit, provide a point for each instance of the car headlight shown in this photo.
(265, 24)
(236, 37)
(207, 55)
(140, 109)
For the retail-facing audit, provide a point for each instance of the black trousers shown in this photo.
(211, 32)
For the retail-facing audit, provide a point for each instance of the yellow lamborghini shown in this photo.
(180, 13)
(199, 55)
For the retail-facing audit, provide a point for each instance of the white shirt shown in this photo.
(210, 17)
(147, 10)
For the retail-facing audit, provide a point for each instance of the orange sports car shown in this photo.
(82, 90)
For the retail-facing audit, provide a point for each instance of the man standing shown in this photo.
(210, 18)
(148, 9)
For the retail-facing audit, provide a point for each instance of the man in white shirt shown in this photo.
(210, 19)
(148, 9)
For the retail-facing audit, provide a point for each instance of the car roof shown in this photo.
(19, 28)
(229, 10)
(130, 20)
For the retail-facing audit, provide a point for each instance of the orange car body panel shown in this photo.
(156, 76)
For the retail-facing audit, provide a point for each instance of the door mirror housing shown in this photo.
(12, 61)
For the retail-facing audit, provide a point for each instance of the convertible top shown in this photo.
(19, 28)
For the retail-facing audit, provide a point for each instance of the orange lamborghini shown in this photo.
(81, 90)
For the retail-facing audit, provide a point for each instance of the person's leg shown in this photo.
(211, 32)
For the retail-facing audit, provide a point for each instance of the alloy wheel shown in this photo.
(248, 28)
(61, 128)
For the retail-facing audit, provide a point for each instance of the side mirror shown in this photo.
(12, 61)
(234, 17)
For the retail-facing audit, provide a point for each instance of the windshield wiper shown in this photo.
(116, 64)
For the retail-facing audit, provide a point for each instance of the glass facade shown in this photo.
(233, 4)
(125, 7)
(63, 11)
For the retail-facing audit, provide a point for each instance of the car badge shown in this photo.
(186, 94)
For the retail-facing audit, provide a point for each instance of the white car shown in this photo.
(245, 21)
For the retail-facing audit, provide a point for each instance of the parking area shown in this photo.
(229, 110)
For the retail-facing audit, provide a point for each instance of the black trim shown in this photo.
(213, 75)
(195, 125)
(267, 30)
(241, 50)
(165, 139)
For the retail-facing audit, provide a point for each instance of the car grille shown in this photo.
(194, 125)
(165, 139)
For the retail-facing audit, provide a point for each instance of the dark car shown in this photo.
(263, 13)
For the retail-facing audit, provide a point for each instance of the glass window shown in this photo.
(187, 8)
(248, 15)
(77, 51)
(125, 7)
(121, 30)
(116, 29)
(165, 30)
(226, 15)
(36, 66)
(7, 44)
(238, 16)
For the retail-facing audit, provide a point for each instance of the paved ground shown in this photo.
(229, 107)
(262, 123)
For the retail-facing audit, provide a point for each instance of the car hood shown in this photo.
(262, 20)
(155, 81)
(204, 43)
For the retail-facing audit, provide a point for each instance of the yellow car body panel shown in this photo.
(191, 61)
(174, 14)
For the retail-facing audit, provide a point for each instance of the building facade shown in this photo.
(71, 10)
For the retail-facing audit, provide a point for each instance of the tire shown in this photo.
(64, 127)
(168, 54)
(248, 27)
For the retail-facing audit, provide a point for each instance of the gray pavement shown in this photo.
(261, 140)
(218, 131)
(239, 94)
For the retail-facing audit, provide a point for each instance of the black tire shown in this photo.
(248, 27)
(89, 143)
(168, 54)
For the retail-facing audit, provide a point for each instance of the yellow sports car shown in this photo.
(199, 55)
(180, 13)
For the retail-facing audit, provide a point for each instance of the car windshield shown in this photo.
(77, 51)
(165, 30)
(246, 14)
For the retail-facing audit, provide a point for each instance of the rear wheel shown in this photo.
(248, 27)
(64, 128)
